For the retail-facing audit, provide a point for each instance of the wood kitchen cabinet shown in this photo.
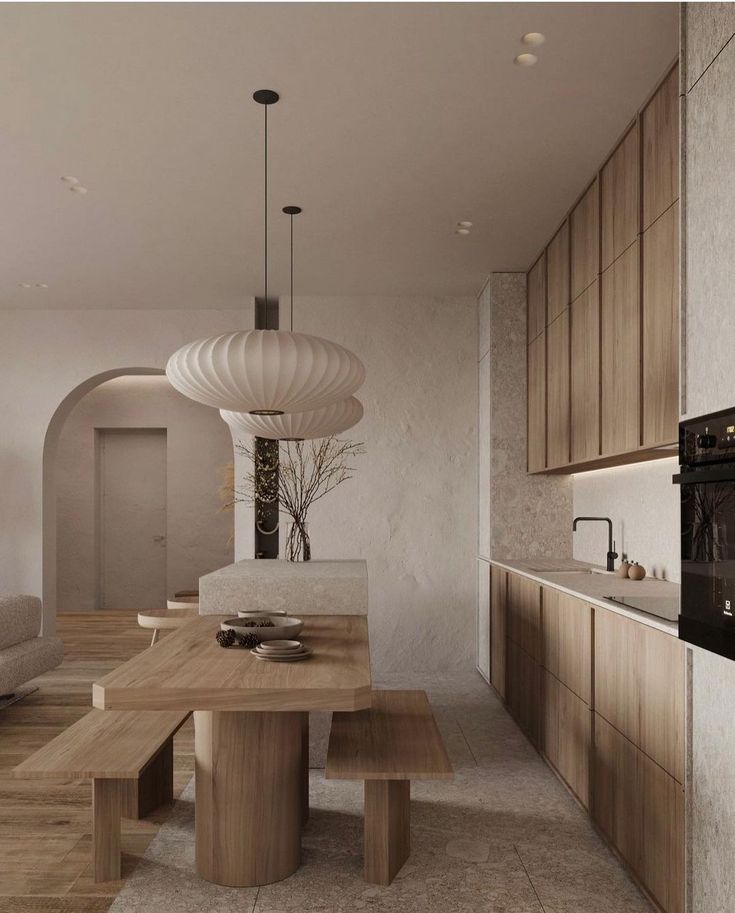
(660, 128)
(567, 641)
(620, 199)
(640, 687)
(557, 274)
(524, 691)
(567, 735)
(536, 430)
(661, 329)
(498, 628)
(640, 809)
(536, 298)
(585, 375)
(524, 614)
(620, 349)
(557, 391)
(584, 223)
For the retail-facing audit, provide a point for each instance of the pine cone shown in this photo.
(263, 623)
(226, 638)
(248, 623)
(247, 640)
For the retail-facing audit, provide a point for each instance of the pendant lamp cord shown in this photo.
(292, 272)
(265, 211)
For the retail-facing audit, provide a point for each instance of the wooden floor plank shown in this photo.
(45, 825)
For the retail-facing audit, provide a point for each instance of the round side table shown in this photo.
(163, 619)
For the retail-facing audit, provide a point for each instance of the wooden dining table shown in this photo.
(251, 732)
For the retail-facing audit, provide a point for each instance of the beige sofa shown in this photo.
(24, 654)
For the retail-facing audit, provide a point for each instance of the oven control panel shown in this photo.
(707, 440)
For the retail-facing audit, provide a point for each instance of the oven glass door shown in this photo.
(708, 551)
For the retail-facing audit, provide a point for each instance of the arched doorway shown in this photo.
(120, 406)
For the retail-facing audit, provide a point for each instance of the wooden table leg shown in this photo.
(106, 812)
(387, 828)
(248, 796)
(305, 769)
(155, 636)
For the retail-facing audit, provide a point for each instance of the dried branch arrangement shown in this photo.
(296, 474)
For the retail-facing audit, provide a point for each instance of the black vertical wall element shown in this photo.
(266, 517)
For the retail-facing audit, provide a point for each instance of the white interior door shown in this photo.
(132, 518)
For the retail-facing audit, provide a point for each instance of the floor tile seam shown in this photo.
(533, 886)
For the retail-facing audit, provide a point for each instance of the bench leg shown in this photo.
(387, 828)
(305, 769)
(106, 812)
(154, 786)
(154, 639)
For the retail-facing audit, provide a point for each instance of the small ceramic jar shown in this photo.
(622, 571)
(636, 571)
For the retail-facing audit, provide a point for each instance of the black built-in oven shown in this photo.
(707, 480)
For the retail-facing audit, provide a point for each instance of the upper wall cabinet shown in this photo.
(585, 240)
(620, 196)
(557, 274)
(604, 298)
(536, 294)
(660, 125)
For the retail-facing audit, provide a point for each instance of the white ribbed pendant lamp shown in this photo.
(298, 426)
(265, 372)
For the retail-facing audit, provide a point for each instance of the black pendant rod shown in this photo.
(265, 97)
(292, 211)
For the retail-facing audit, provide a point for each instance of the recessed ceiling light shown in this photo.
(464, 224)
(463, 231)
(69, 179)
(533, 39)
(32, 285)
(77, 188)
(25, 285)
(41, 285)
(523, 60)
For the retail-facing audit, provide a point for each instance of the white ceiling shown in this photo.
(396, 120)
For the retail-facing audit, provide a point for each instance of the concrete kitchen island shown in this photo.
(299, 588)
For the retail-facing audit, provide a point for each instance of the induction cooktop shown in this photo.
(666, 607)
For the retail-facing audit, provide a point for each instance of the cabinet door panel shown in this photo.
(619, 199)
(557, 274)
(660, 124)
(567, 741)
(585, 241)
(498, 629)
(620, 354)
(536, 298)
(536, 374)
(483, 618)
(640, 687)
(585, 375)
(557, 394)
(524, 614)
(524, 691)
(567, 641)
(661, 329)
(640, 809)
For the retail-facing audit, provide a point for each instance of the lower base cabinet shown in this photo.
(567, 736)
(523, 691)
(640, 809)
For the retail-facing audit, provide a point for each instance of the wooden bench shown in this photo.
(387, 746)
(128, 755)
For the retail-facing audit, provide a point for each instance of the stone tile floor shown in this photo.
(502, 837)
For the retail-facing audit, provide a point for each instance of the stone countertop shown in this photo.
(564, 575)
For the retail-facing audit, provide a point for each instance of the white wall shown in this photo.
(709, 340)
(47, 355)
(199, 535)
(410, 510)
(643, 504)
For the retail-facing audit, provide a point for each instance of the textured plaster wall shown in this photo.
(199, 535)
(709, 321)
(49, 354)
(643, 504)
(520, 515)
(410, 509)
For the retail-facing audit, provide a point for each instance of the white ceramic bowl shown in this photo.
(251, 614)
(284, 628)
